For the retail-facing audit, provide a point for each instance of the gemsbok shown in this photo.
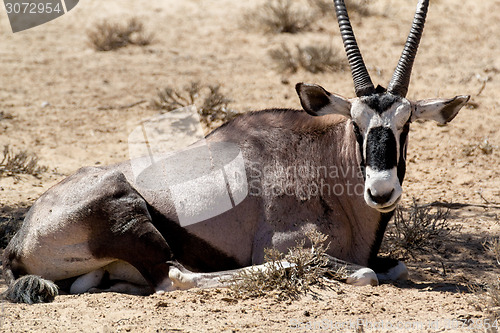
(263, 180)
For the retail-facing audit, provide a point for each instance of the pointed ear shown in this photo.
(318, 102)
(440, 110)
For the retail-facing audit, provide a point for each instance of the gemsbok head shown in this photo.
(381, 117)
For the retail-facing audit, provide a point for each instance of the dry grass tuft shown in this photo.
(5, 116)
(418, 229)
(493, 289)
(484, 147)
(108, 36)
(213, 103)
(488, 295)
(494, 248)
(312, 58)
(285, 16)
(14, 164)
(285, 59)
(280, 16)
(288, 275)
(493, 298)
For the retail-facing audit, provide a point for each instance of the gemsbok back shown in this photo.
(264, 180)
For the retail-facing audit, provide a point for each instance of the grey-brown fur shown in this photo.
(96, 206)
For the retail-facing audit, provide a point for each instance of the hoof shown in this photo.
(87, 281)
(363, 277)
(396, 273)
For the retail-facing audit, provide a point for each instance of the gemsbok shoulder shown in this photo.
(263, 180)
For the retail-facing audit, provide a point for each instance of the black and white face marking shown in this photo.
(380, 123)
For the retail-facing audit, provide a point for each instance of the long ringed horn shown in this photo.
(362, 83)
(401, 78)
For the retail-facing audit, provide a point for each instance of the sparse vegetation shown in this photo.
(418, 229)
(484, 147)
(108, 36)
(286, 16)
(494, 248)
(14, 164)
(288, 275)
(5, 115)
(312, 58)
(212, 103)
(493, 289)
(281, 16)
(488, 294)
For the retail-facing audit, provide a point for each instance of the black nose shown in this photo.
(380, 199)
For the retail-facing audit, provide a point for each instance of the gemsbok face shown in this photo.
(381, 117)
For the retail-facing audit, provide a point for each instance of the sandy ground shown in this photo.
(209, 41)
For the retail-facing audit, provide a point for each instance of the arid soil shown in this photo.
(69, 104)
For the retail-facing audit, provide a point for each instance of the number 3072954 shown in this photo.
(33, 8)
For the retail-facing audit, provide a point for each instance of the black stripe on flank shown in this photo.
(191, 251)
(381, 149)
